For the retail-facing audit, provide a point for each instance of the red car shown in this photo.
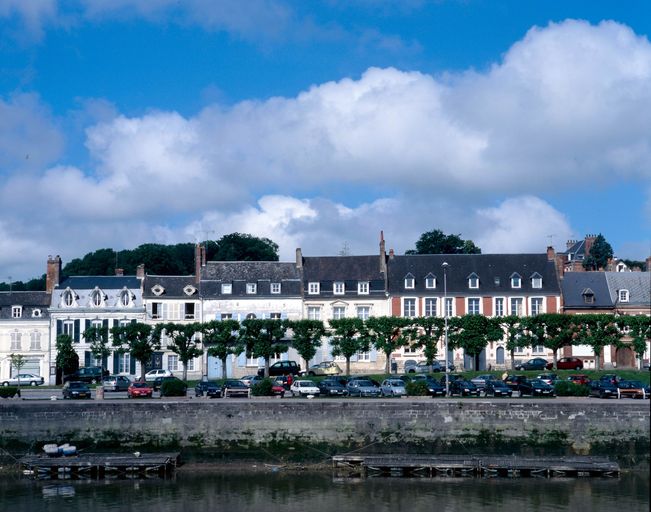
(567, 363)
(579, 379)
(140, 390)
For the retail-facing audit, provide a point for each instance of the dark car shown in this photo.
(603, 389)
(567, 363)
(514, 381)
(331, 387)
(209, 388)
(75, 389)
(497, 388)
(451, 378)
(536, 387)
(363, 387)
(464, 388)
(610, 377)
(87, 374)
(233, 387)
(537, 363)
(173, 381)
(282, 368)
(434, 387)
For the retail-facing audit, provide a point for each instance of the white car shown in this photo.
(151, 375)
(26, 379)
(304, 388)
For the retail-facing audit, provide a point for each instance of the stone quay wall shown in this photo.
(303, 429)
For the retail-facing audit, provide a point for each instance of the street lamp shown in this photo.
(445, 315)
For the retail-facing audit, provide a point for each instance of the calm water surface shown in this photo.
(316, 492)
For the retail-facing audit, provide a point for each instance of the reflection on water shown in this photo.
(316, 492)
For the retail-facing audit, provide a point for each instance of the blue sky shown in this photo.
(318, 124)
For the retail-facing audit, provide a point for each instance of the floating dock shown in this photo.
(472, 466)
(97, 466)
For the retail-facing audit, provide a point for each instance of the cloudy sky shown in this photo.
(319, 124)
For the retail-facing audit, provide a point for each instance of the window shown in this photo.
(275, 288)
(124, 362)
(16, 339)
(313, 288)
(190, 365)
(314, 313)
(157, 290)
(156, 310)
(430, 282)
(362, 287)
(496, 280)
(430, 307)
(189, 311)
(410, 349)
(173, 363)
(339, 288)
(226, 316)
(363, 312)
(409, 308)
(588, 296)
(251, 361)
(538, 349)
(338, 312)
(68, 298)
(35, 340)
(516, 306)
(473, 306)
(69, 328)
(409, 282)
(623, 295)
(125, 298)
(364, 357)
(251, 288)
(499, 306)
(536, 281)
(275, 358)
(37, 313)
(274, 316)
(449, 307)
(172, 311)
(473, 281)
(516, 281)
(96, 298)
(16, 311)
(537, 306)
(227, 288)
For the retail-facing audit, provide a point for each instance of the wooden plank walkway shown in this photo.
(484, 466)
(101, 465)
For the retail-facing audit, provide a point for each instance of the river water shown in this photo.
(315, 492)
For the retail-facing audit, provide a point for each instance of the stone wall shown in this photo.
(315, 429)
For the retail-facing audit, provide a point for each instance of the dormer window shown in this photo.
(251, 288)
(125, 298)
(516, 281)
(157, 290)
(496, 280)
(37, 313)
(536, 280)
(189, 290)
(339, 288)
(473, 281)
(623, 295)
(362, 288)
(275, 288)
(410, 282)
(68, 298)
(313, 288)
(16, 311)
(430, 282)
(227, 288)
(588, 296)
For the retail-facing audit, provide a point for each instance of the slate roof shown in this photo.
(488, 267)
(239, 273)
(173, 286)
(28, 300)
(574, 284)
(638, 285)
(349, 269)
(103, 282)
(576, 251)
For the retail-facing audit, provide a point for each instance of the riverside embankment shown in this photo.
(312, 430)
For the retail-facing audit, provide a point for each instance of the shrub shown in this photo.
(262, 388)
(173, 388)
(567, 388)
(418, 388)
(9, 391)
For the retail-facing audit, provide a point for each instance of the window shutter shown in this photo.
(133, 320)
(59, 327)
(86, 324)
(76, 333)
(132, 365)
(115, 362)
(105, 323)
(104, 362)
(87, 358)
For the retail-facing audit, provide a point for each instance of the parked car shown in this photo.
(75, 389)
(324, 368)
(151, 375)
(603, 389)
(497, 388)
(610, 377)
(158, 382)
(24, 379)
(567, 363)
(362, 388)
(581, 379)
(140, 390)
(412, 366)
(514, 381)
(304, 388)
(549, 378)
(87, 374)
(365, 377)
(631, 389)
(537, 363)
(234, 387)
(463, 387)
(332, 387)
(536, 387)
(451, 378)
(393, 387)
(250, 380)
(116, 383)
(434, 387)
(209, 388)
(481, 380)
(278, 389)
(282, 368)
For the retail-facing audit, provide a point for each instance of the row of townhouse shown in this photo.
(315, 287)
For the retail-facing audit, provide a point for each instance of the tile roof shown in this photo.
(638, 285)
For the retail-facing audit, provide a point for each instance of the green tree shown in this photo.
(514, 332)
(552, 330)
(426, 332)
(242, 247)
(264, 338)
(18, 361)
(473, 333)
(67, 360)
(639, 329)
(221, 337)
(138, 339)
(385, 333)
(98, 338)
(348, 338)
(183, 342)
(599, 331)
(437, 242)
(599, 254)
(306, 338)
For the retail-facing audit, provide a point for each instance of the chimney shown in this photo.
(197, 263)
(383, 254)
(560, 265)
(203, 255)
(299, 258)
(119, 272)
(391, 254)
(53, 273)
(569, 244)
(140, 271)
(551, 253)
(589, 240)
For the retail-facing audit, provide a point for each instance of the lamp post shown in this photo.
(445, 315)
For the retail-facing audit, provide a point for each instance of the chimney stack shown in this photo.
(299, 258)
(391, 254)
(53, 273)
(140, 271)
(119, 272)
(197, 263)
(551, 253)
(383, 254)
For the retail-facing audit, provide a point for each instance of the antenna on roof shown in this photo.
(10, 283)
(551, 239)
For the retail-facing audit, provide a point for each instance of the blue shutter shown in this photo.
(133, 320)
(115, 362)
(104, 362)
(86, 324)
(59, 327)
(87, 358)
(132, 365)
(77, 328)
(105, 323)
